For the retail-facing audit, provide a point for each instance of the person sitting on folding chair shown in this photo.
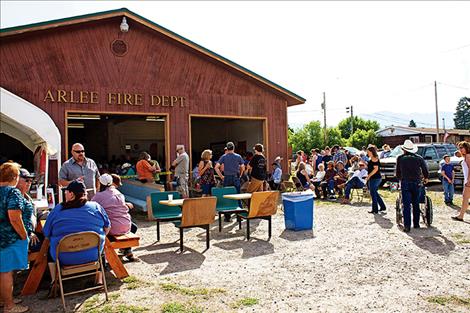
(275, 180)
(328, 183)
(316, 181)
(303, 177)
(357, 181)
(75, 215)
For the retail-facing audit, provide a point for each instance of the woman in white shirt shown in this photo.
(318, 179)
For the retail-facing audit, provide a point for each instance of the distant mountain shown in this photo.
(386, 118)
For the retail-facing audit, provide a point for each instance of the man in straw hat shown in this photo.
(411, 169)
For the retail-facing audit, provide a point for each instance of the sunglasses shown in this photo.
(79, 151)
(28, 180)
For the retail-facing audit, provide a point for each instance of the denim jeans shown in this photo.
(354, 182)
(448, 190)
(232, 180)
(377, 201)
(410, 193)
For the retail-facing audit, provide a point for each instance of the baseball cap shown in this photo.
(106, 180)
(24, 173)
(230, 145)
(76, 186)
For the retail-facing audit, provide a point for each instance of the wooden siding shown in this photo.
(79, 57)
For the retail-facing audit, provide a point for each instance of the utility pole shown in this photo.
(350, 110)
(444, 124)
(323, 106)
(437, 112)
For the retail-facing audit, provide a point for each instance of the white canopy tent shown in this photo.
(30, 125)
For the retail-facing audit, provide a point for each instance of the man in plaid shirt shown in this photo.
(339, 155)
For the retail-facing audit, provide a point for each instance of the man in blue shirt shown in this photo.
(233, 169)
(447, 172)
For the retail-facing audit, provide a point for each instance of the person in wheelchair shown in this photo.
(410, 170)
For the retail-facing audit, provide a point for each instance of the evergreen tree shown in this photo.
(412, 124)
(462, 114)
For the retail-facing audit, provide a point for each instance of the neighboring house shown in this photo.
(396, 135)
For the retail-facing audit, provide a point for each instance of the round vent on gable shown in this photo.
(119, 47)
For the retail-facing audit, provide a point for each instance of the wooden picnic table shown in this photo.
(174, 202)
(40, 264)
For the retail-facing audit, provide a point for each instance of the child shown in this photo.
(328, 183)
(448, 174)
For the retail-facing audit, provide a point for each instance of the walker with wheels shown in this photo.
(425, 206)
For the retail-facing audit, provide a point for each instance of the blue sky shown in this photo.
(377, 56)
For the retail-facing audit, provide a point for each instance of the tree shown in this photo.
(359, 124)
(362, 138)
(334, 138)
(462, 114)
(308, 137)
(412, 124)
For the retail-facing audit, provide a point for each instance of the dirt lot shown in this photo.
(351, 262)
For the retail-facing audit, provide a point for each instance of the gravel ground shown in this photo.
(351, 262)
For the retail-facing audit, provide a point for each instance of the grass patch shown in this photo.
(245, 302)
(133, 282)
(172, 287)
(460, 238)
(121, 308)
(176, 307)
(113, 296)
(443, 300)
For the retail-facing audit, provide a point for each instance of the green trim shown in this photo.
(125, 10)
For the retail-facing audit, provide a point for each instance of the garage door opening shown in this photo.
(114, 139)
(213, 133)
(15, 150)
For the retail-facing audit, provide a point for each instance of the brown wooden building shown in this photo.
(396, 135)
(120, 92)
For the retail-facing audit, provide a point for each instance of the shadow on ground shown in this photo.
(297, 235)
(432, 240)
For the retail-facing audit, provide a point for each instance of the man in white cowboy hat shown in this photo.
(411, 169)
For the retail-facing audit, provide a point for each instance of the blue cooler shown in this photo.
(298, 210)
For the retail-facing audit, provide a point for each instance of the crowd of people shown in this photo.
(88, 196)
(334, 172)
(93, 197)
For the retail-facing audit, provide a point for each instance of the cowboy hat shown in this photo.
(409, 146)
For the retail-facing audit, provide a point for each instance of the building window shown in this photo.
(428, 139)
(414, 139)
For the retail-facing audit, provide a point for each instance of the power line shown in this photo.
(395, 119)
(454, 86)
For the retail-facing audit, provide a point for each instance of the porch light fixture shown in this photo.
(124, 26)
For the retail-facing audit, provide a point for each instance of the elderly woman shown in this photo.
(113, 201)
(75, 215)
(13, 234)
